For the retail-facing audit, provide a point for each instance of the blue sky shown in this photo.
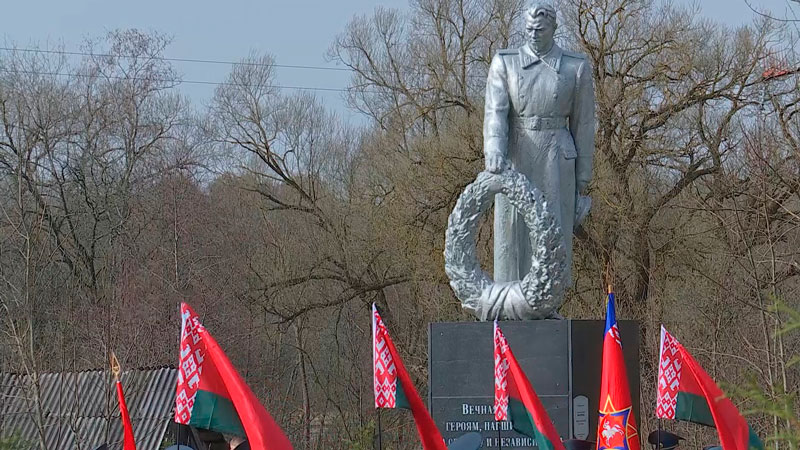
(297, 32)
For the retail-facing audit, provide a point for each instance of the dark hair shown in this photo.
(243, 446)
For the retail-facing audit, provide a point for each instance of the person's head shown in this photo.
(664, 440)
(540, 24)
(237, 443)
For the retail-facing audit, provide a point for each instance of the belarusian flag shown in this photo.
(687, 392)
(388, 369)
(212, 395)
(616, 427)
(514, 398)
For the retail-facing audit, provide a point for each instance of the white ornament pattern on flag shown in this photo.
(385, 374)
(669, 377)
(614, 331)
(500, 375)
(190, 366)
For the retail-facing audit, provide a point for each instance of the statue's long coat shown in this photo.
(539, 114)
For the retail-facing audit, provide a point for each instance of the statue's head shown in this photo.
(540, 23)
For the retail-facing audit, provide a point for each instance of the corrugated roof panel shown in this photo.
(80, 410)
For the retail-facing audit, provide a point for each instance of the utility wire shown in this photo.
(163, 58)
(168, 80)
(179, 81)
(211, 61)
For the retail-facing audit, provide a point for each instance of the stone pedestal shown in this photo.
(562, 359)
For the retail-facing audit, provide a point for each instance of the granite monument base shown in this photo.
(562, 359)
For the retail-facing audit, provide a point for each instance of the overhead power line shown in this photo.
(219, 62)
(188, 60)
(168, 80)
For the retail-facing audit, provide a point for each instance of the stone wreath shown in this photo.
(540, 293)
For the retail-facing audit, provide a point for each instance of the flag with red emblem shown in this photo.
(616, 429)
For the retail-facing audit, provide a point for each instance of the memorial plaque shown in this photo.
(562, 359)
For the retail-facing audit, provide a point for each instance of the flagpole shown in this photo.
(499, 438)
(658, 435)
(380, 431)
(115, 370)
(177, 425)
(373, 311)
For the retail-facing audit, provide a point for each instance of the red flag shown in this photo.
(515, 399)
(389, 369)
(388, 394)
(127, 429)
(616, 428)
(212, 395)
(687, 392)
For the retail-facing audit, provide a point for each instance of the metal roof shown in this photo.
(79, 410)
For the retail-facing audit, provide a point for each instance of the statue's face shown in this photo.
(540, 28)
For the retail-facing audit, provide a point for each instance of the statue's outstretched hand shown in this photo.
(495, 163)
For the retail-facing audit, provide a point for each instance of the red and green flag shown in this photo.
(393, 386)
(616, 427)
(212, 395)
(687, 392)
(515, 399)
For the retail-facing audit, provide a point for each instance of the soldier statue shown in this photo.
(539, 121)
